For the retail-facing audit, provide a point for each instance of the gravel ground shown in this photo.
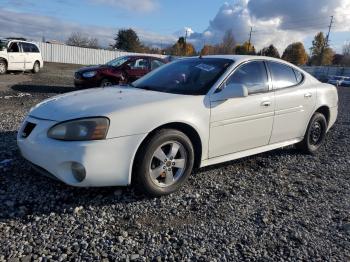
(280, 205)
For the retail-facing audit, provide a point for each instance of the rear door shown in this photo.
(295, 102)
(138, 68)
(16, 57)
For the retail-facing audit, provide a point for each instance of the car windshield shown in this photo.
(191, 76)
(118, 61)
(3, 44)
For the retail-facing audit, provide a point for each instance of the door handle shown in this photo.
(266, 103)
(308, 95)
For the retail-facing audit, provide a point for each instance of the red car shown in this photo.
(122, 70)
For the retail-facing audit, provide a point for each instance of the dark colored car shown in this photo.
(122, 70)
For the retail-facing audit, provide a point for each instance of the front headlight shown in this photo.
(89, 74)
(80, 130)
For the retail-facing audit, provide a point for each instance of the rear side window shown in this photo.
(283, 75)
(253, 75)
(29, 48)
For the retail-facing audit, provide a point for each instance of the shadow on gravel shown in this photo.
(26, 194)
(42, 88)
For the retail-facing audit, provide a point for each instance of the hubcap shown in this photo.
(106, 83)
(316, 133)
(2, 68)
(168, 164)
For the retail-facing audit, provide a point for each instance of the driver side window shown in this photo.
(141, 63)
(252, 75)
(14, 48)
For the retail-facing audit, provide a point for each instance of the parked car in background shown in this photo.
(19, 55)
(122, 70)
(339, 80)
(193, 112)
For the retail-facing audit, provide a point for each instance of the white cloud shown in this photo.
(133, 5)
(274, 21)
(34, 27)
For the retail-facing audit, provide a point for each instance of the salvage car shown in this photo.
(121, 70)
(19, 55)
(190, 113)
(339, 80)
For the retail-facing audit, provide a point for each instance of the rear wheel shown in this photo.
(36, 67)
(3, 67)
(315, 134)
(164, 163)
(106, 82)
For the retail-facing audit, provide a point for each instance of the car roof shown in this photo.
(242, 58)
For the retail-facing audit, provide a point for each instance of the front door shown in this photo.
(240, 124)
(16, 57)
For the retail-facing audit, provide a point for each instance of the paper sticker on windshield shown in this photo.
(205, 67)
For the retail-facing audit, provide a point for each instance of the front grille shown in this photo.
(28, 128)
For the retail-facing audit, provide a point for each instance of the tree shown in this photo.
(245, 49)
(80, 40)
(128, 40)
(182, 48)
(270, 51)
(295, 53)
(321, 53)
(209, 50)
(228, 43)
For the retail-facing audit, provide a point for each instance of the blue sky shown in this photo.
(162, 21)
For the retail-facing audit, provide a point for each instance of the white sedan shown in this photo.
(191, 113)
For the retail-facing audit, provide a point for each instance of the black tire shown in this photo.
(315, 134)
(106, 82)
(146, 157)
(36, 67)
(3, 67)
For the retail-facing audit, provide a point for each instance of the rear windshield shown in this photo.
(191, 76)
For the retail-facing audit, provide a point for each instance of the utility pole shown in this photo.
(250, 38)
(186, 41)
(327, 40)
(250, 35)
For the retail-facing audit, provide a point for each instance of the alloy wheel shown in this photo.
(168, 164)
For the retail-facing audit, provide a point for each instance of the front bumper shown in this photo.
(107, 162)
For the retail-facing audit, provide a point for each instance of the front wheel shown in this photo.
(315, 134)
(106, 82)
(164, 163)
(3, 67)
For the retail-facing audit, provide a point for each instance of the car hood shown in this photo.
(96, 102)
(94, 68)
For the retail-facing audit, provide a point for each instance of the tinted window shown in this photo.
(141, 63)
(155, 64)
(14, 48)
(192, 76)
(253, 75)
(29, 48)
(282, 75)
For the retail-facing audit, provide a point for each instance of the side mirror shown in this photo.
(230, 91)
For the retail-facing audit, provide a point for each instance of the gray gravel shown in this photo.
(280, 205)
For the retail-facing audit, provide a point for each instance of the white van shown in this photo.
(18, 55)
